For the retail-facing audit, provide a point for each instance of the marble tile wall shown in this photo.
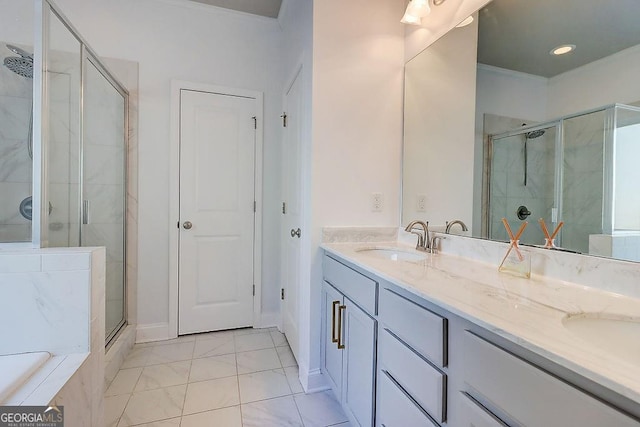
(45, 299)
(507, 189)
(15, 164)
(582, 180)
(607, 274)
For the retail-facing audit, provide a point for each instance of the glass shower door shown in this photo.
(523, 171)
(103, 184)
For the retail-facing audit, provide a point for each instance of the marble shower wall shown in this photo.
(15, 165)
(508, 191)
(582, 192)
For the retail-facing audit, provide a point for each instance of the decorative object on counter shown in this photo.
(550, 240)
(516, 261)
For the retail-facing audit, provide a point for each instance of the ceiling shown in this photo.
(518, 34)
(268, 8)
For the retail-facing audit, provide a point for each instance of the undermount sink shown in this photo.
(616, 334)
(393, 254)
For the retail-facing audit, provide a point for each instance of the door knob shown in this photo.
(295, 233)
(187, 225)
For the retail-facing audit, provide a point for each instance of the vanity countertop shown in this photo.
(527, 312)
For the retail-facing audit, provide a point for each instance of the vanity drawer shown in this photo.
(422, 329)
(422, 381)
(528, 394)
(473, 414)
(359, 288)
(395, 408)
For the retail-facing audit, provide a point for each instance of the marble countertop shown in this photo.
(527, 312)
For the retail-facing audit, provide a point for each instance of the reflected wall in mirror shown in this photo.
(548, 135)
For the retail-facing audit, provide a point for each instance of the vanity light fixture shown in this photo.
(466, 22)
(562, 49)
(416, 10)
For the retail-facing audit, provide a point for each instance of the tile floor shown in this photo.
(243, 378)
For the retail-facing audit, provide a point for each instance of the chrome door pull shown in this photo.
(295, 233)
(187, 225)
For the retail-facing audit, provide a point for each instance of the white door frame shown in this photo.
(297, 72)
(174, 194)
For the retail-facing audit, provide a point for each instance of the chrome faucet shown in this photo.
(423, 236)
(452, 223)
(434, 243)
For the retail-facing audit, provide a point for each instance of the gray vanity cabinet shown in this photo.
(519, 393)
(424, 366)
(349, 339)
(412, 359)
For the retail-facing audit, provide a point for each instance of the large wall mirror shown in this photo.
(498, 124)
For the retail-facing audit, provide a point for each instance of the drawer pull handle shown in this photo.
(334, 338)
(340, 343)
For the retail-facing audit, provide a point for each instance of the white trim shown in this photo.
(174, 194)
(152, 332)
(270, 320)
(298, 71)
(312, 381)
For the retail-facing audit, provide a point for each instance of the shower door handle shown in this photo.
(85, 212)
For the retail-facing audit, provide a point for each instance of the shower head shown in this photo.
(19, 51)
(534, 134)
(21, 66)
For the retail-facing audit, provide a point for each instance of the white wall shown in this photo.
(358, 62)
(606, 81)
(173, 40)
(438, 129)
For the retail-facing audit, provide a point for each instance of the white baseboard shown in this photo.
(269, 320)
(152, 332)
(313, 381)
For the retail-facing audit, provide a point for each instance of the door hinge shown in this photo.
(284, 209)
(282, 293)
(254, 290)
(255, 206)
(284, 120)
(255, 122)
(178, 224)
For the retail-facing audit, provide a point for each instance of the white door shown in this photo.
(292, 215)
(217, 167)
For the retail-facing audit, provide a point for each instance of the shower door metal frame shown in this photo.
(39, 239)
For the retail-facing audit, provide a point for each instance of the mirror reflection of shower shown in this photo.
(527, 136)
(22, 65)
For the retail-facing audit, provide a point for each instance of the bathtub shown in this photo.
(15, 370)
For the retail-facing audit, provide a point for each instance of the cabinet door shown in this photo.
(331, 355)
(359, 363)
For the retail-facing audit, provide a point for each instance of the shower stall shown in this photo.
(580, 169)
(63, 143)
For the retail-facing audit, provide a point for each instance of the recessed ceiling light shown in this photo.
(561, 50)
(466, 22)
